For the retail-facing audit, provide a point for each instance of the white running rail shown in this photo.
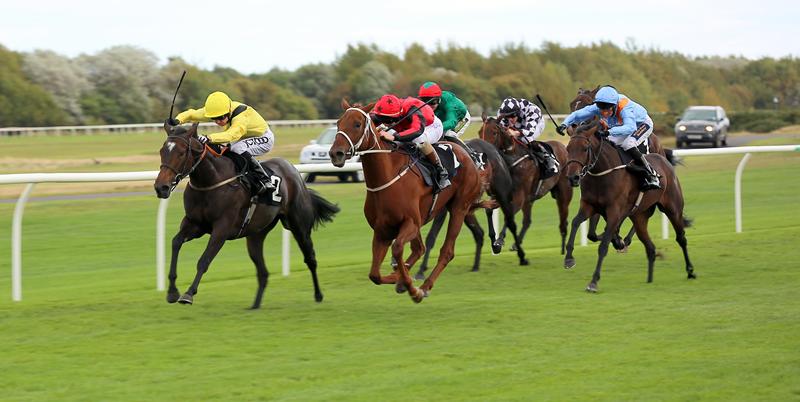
(32, 178)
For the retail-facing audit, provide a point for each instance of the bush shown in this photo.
(762, 121)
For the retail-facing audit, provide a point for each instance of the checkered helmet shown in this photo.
(509, 107)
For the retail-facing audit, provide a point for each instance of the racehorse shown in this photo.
(217, 203)
(584, 98)
(398, 204)
(528, 185)
(607, 189)
(501, 190)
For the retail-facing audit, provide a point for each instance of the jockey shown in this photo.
(450, 110)
(411, 120)
(524, 120)
(246, 131)
(629, 123)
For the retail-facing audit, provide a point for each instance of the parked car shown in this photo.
(317, 152)
(702, 124)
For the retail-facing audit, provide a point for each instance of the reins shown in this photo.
(180, 175)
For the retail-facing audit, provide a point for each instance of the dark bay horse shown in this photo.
(398, 204)
(583, 98)
(500, 188)
(216, 203)
(614, 194)
(528, 185)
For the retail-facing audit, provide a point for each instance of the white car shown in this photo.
(317, 152)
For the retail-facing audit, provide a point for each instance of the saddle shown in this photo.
(426, 168)
(631, 165)
(248, 180)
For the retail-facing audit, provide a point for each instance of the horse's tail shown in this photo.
(487, 204)
(324, 210)
(673, 159)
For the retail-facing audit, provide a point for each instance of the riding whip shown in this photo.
(541, 102)
(176, 94)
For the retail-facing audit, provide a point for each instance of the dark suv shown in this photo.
(702, 124)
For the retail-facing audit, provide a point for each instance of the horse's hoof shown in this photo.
(186, 299)
(592, 237)
(569, 263)
(691, 275)
(496, 249)
(513, 247)
(400, 288)
(524, 261)
(420, 275)
(418, 296)
(476, 269)
(591, 287)
(173, 297)
(318, 297)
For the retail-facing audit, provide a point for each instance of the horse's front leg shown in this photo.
(613, 221)
(409, 231)
(187, 231)
(215, 243)
(379, 248)
(526, 219)
(430, 241)
(592, 234)
(493, 236)
(417, 249)
(584, 212)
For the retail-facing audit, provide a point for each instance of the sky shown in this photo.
(256, 36)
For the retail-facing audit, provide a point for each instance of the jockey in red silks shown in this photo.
(411, 120)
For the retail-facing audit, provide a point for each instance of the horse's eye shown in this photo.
(357, 125)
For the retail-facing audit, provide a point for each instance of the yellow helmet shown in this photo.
(217, 104)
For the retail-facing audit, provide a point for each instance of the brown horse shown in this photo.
(217, 203)
(398, 204)
(585, 97)
(528, 185)
(614, 193)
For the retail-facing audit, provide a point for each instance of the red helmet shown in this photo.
(388, 105)
(430, 89)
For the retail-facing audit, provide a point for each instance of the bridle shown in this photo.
(593, 157)
(368, 129)
(510, 140)
(183, 173)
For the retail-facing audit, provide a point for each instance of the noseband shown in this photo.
(183, 173)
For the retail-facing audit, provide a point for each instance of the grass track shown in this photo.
(92, 327)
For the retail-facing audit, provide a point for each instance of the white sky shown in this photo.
(254, 36)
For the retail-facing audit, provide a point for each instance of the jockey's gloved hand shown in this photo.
(173, 122)
(203, 139)
(602, 132)
(561, 129)
(381, 127)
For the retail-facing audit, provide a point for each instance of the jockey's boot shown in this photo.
(433, 157)
(650, 176)
(476, 157)
(262, 179)
(550, 162)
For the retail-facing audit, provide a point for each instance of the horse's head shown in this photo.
(354, 128)
(583, 150)
(180, 154)
(492, 132)
(585, 97)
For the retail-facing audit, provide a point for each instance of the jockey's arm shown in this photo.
(193, 116)
(415, 129)
(628, 125)
(237, 129)
(582, 114)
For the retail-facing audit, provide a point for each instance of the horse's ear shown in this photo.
(167, 129)
(484, 116)
(345, 104)
(367, 108)
(193, 130)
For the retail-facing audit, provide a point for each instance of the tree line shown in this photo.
(126, 84)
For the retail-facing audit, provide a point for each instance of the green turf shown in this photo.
(92, 327)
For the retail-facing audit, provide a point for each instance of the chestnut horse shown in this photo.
(216, 203)
(528, 185)
(614, 193)
(585, 97)
(398, 204)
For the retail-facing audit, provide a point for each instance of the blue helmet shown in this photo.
(607, 95)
